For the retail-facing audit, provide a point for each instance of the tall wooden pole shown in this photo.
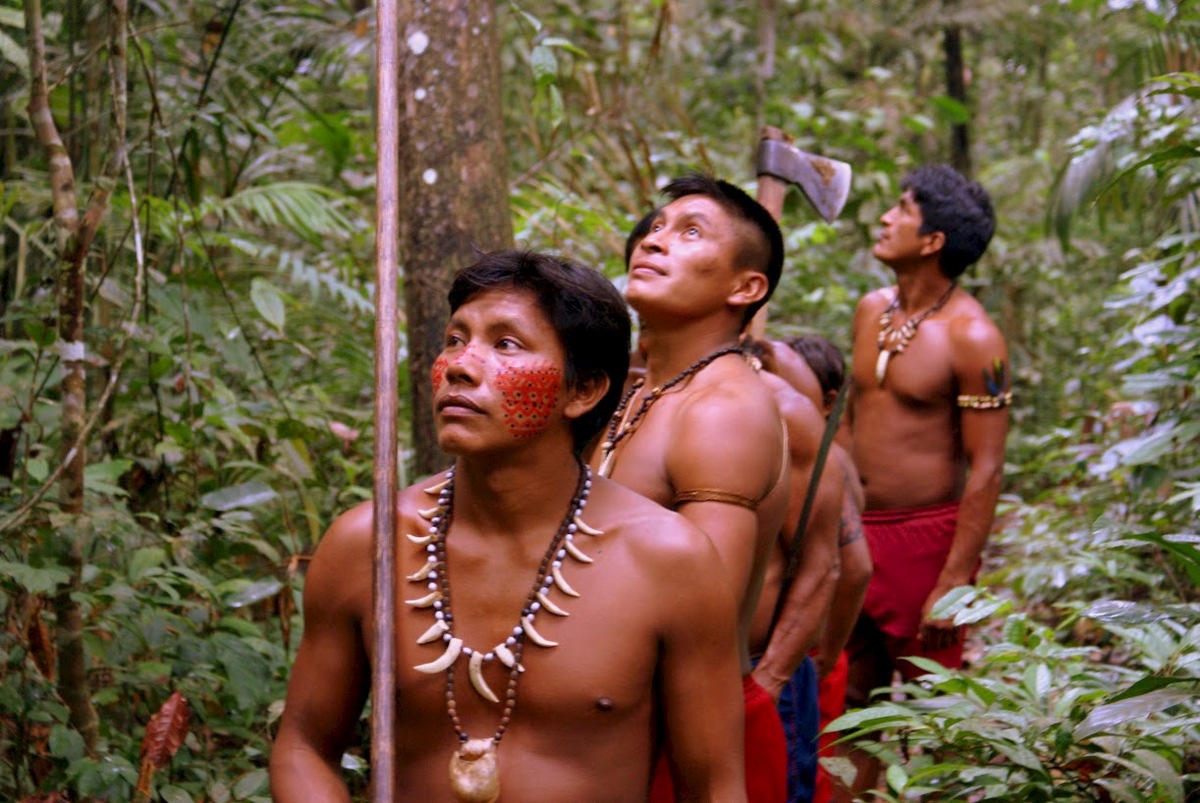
(387, 251)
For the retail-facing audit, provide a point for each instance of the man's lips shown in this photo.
(460, 403)
(644, 268)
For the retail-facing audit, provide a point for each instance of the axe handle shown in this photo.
(771, 191)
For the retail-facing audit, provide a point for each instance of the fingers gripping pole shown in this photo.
(387, 253)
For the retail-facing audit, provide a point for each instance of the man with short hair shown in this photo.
(782, 645)
(928, 420)
(700, 433)
(553, 627)
(815, 366)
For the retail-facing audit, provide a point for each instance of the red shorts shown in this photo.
(909, 547)
(766, 753)
(831, 703)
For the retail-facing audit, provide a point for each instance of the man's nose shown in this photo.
(652, 242)
(463, 365)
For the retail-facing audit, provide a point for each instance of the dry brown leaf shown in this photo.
(165, 731)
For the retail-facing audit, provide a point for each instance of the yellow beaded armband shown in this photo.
(973, 402)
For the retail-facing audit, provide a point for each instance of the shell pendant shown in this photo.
(475, 772)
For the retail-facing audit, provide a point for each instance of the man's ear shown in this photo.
(749, 286)
(585, 395)
(935, 241)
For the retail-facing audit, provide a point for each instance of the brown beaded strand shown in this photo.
(618, 429)
(443, 525)
(892, 342)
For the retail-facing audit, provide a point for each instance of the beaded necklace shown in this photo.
(619, 427)
(474, 771)
(892, 342)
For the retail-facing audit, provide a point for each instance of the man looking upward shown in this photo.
(700, 433)
(551, 625)
(928, 420)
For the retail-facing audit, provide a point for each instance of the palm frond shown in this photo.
(308, 210)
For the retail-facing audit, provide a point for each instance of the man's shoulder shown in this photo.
(735, 393)
(876, 300)
(971, 328)
(644, 526)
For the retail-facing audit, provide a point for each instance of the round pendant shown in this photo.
(475, 772)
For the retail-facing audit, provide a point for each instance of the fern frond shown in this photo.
(308, 210)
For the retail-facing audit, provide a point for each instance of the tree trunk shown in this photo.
(453, 185)
(72, 661)
(960, 143)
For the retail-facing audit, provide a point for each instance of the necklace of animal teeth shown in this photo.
(892, 342)
(621, 425)
(474, 771)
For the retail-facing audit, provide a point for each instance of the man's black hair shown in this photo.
(639, 232)
(586, 311)
(765, 254)
(957, 207)
(824, 358)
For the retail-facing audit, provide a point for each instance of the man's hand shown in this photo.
(937, 634)
(771, 684)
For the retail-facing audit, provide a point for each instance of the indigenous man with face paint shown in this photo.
(700, 433)
(928, 419)
(554, 626)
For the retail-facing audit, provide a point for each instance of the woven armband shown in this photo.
(973, 402)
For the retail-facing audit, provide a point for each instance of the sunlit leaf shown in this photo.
(247, 494)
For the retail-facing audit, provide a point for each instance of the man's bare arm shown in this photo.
(851, 589)
(722, 443)
(981, 366)
(331, 676)
(808, 598)
(705, 741)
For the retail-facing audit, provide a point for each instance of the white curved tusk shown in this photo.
(423, 572)
(443, 663)
(586, 528)
(506, 656)
(476, 671)
(434, 490)
(434, 632)
(429, 513)
(576, 552)
(534, 636)
(561, 582)
(425, 601)
(550, 606)
(419, 540)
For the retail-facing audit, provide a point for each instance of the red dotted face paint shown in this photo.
(528, 397)
(439, 372)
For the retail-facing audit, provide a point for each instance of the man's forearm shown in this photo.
(800, 622)
(299, 774)
(976, 512)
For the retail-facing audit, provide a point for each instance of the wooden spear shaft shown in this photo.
(387, 253)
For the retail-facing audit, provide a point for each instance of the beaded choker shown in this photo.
(892, 342)
(621, 425)
(474, 772)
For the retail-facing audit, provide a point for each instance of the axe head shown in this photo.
(825, 182)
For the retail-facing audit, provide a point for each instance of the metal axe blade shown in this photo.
(825, 182)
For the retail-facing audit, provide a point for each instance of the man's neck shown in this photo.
(670, 350)
(920, 288)
(516, 493)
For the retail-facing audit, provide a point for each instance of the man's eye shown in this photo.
(507, 343)
(693, 231)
